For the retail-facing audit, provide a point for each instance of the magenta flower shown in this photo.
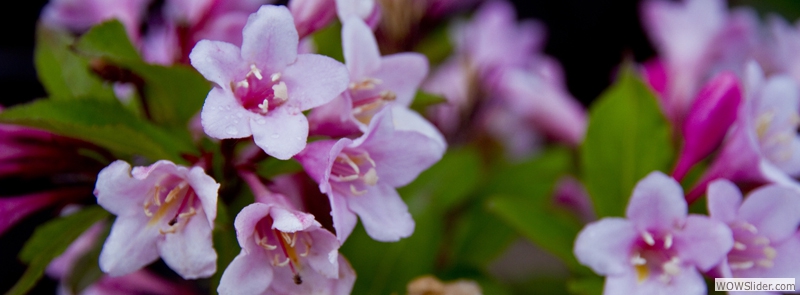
(263, 87)
(375, 83)
(360, 176)
(80, 15)
(285, 251)
(763, 146)
(162, 210)
(711, 115)
(658, 249)
(766, 241)
(312, 15)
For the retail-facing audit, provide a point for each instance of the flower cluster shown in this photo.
(241, 147)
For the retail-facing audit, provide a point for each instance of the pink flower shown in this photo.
(375, 83)
(360, 176)
(766, 240)
(80, 15)
(695, 39)
(711, 115)
(162, 210)
(312, 15)
(263, 87)
(284, 251)
(763, 145)
(658, 249)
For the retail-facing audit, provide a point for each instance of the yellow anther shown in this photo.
(356, 191)
(280, 91)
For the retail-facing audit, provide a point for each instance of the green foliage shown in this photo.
(436, 45)
(173, 94)
(49, 241)
(225, 243)
(523, 199)
(105, 123)
(627, 138)
(422, 100)
(64, 74)
(329, 41)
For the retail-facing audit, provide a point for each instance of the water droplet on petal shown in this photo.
(275, 135)
(231, 130)
(239, 115)
(261, 121)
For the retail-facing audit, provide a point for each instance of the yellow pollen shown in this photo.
(371, 177)
(388, 95)
(275, 77)
(762, 123)
(255, 71)
(642, 272)
(366, 84)
(770, 252)
(356, 191)
(648, 238)
(739, 246)
(264, 106)
(668, 241)
(741, 265)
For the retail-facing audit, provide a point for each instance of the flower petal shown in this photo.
(206, 189)
(224, 117)
(406, 119)
(291, 221)
(314, 80)
(324, 253)
(402, 73)
(344, 220)
(657, 204)
(688, 282)
(605, 246)
(118, 192)
(774, 210)
(219, 62)
(724, 199)
(130, 246)
(281, 133)
(360, 48)
(246, 275)
(703, 242)
(384, 214)
(270, 39)
(190, 251)
(245, 224)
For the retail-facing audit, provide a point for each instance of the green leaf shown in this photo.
(586, 286)
(422, 100)
(106, 124)
(436, 45)
(445, 184)
(173, 94)
(108, 39)
(225, 243)
(64, 74)
(273, 167)
(329, 41)
(49, 241)
(627, 139)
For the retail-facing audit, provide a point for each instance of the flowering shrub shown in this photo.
(383, 147)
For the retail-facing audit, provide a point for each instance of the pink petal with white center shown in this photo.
(224, 117)
(282, 133)
(402, 73)
(247, 274)
(785, 262)
(384, 214)
(361, 54)
(703, 242)
(687, 282)
(130, 246)
(605, 246)
(118, 192)
(189, 251)
(314, 80)
(270, 39)
(206, 189)
(774, 210)
(724, 199)
(400, 155)
(657, 204)
(219, 62)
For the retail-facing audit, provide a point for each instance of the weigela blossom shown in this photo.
(162, 210)
(262, 88)
(764, 226)
(763, 145)
(657, 249)
(360, 176)
(284, 251)
(376, 82)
